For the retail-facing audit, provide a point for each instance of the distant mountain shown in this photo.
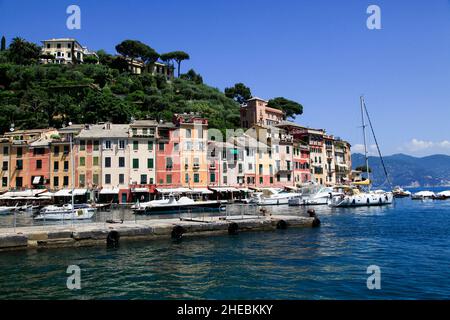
(408, 171)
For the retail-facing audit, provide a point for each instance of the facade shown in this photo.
(136, 66)
(256, 112)
(142, 145)
(129, 162)
(65, 51)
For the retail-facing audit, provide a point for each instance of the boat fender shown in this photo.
(233, 228)
(177, 232)
(281, 224)
(112, 240)
(312, 213)
(316, 222)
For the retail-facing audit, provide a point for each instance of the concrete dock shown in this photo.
(88, 234)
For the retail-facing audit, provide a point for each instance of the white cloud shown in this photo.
(421, 147)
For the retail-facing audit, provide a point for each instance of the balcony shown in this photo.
(196, 166)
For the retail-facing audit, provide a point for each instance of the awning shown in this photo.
(362, 183)
(109, 191)
(68, 192)
(25, 193)
(37, 180)
(201, 190)
(245, 190)
(224, 189)
(140, 190)
(173, 190)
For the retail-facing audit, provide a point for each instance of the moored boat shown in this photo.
(65, 212)
(443, 195)
(172, 205)
(400, 193)
(424, 195)
(272, 196)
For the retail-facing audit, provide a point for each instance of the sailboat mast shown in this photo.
(73, 172)
(365, 139)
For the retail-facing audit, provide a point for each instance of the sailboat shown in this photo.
(353, 196)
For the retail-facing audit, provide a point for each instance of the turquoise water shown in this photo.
(409, 241)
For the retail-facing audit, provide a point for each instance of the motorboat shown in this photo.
(272, 196)
(313, 195)
(400, 193)
(443, 195)
(171, 205)
(423, 195)
(65, 212)
(7, 210)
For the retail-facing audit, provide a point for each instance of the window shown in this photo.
(271, 180)
(5, 165)
(65, 181)
(107, 178)
(212, 177)
(56, 150)
(287, 150)
(169, 163)
(135, 163)
(188, 133)
(278, 177)
(19, 182)
(4, 182)
(66, 165)
(108, 162)
(186, 178)
(143, 179)
(56, 181)
(150, 145)
(121, 178)
(261, 180)
(161, 146)
(56, 166)
(240, 167)
(150, 164)
(122, 144)
(260, 169)
(82, 145)
(151, 180)
(144, 131)
(82, 161)
(196, 178)
(121, 162)
(19, 164)
(135, 145)
(134, 131)
(96, 145)
(66, 149)
(38, 164)
(169, 179)
(224, 166)
(176, 146)
(48, 45)
(5, 151)
(58, 45)
(95, 161)
(95, 179)
(108, 144)
(82, 180)
(37, 151)
(19, 152)
(225, 179)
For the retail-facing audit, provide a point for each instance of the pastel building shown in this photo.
(193, 133)
(5, 163)
(168, 173)
(103, 160)
(142, 145)
(60, 157)
(64, 51)
(256, 112)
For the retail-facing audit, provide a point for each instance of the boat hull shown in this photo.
(176, 208)
(78, 214)
(362, 200)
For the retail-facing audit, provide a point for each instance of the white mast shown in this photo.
(364, 135)
(73, 171)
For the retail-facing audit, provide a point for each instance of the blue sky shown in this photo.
(319, 53)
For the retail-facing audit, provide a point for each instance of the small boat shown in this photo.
(7, 210)
(443, 195)
(400, 193)
(313, 195)
(172, 205)
(272, 196)
(423, 195)
(65, 212)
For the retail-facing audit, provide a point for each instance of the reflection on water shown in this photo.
(408, 240)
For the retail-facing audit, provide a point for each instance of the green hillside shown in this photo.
(39, 96)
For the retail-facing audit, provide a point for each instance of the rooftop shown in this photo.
(105, 130)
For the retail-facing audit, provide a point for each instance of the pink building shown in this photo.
(256, 111)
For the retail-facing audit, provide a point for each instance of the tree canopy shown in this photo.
(177, 56)
(23, 52)
(239, 92)
(289, 107)
(134, 49)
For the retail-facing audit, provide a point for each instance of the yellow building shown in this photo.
(193, 133)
